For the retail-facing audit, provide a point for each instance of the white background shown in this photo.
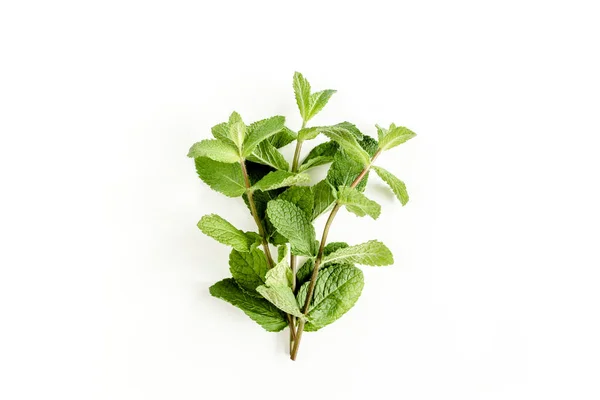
(494, 293)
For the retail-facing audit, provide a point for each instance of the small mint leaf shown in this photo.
(223, 232)
(358, 203)
(279, 179)
(215, 150)
(397, 186)
(372, 252)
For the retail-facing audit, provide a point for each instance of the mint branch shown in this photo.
(313, 279)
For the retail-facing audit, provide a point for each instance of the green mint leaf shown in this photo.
(334, 246)
(323, 196)
(300, 196)
(282, 252)
(305, 271)
(249, 269)
(319, 155)
(215, 150)
(283, 137)
(260, 310)
(348, 142)
(224, 178)
(279, 179)
(280, 275)
(369, 144)
(350, 127)
(344, 171)
(394, 136)
(261, 130)
(221, 132)
(336, 290)
(302, 93)
(358, 203)
(237, 130)
(294, 224)
(318, 100)
(267, 154)
(381, 132)
(397, 186)
(372, 252)
(281, 297)
(309, 133)
(223, 232)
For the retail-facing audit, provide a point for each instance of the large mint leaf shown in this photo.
(348, 142)
(319, 155)
(397, 186)
(301, 196)
(224, 178)
(302, 93)
(249, 269)
(261, 130)
(394, 136)
(283, 137)
(344, 171)
(358, 203)
(221, 132)
(267, 154)
(260, 310)
(323, 196)
(222, 231)
(216, 150)
(279, 179)
(336, 290)
(294, 224)
(372, 252)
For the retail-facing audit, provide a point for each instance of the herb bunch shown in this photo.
(244, 161)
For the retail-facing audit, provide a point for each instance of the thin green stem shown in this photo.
(295, 163)
(254, 212)
(315, 273)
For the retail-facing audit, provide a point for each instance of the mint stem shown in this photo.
(292, 256)
(315, 273)
(254, 212)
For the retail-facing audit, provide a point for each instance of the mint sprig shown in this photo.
(244, 160)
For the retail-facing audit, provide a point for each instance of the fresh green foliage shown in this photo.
(260, 310)
(279, 179)
(244, 160)
(249, 269)
(267, 154)
(309, 103)
(336, 291)
(397, 186)
(224, 178)
(261, 130)
(216, 150)
(393, 136)
(323, 197)
(222, 231)
(358, 203)
(372, 252)
(295, 225)
(278, 289)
